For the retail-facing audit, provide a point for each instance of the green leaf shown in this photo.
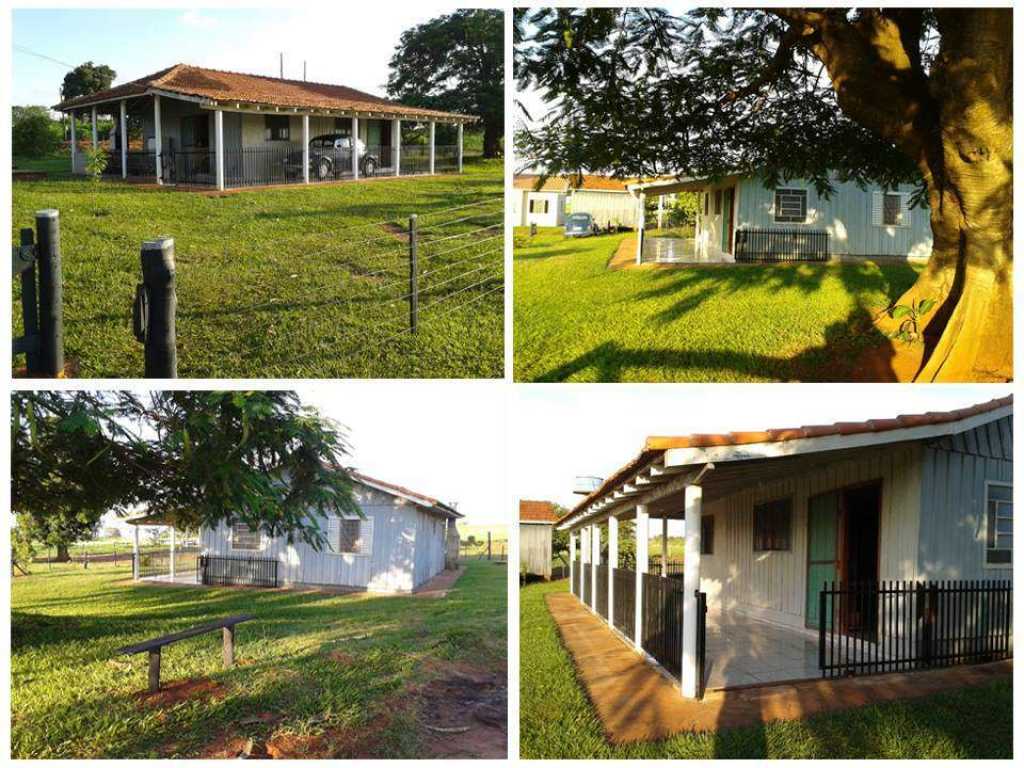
(925, 306)
(900, 310)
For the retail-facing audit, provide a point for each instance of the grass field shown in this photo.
(577, 321)
(557, 721)
(316, 674)
(293, 282)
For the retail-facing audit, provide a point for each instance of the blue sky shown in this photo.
(344, 44)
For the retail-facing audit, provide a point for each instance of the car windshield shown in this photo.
(580, 219)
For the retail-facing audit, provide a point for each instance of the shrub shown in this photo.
(95, 162)
(34, 133)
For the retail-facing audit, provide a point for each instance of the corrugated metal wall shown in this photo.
(846, 217)
(408, 549)
(772, 585)
(953, 501)
(615, 208)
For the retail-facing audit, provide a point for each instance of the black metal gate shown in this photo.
(624, 610)
(894, 626)
(576, 576)
(602, 591)
(237, 571)
(702, 644)
(663, 621)
(587, 582)
(775, 245)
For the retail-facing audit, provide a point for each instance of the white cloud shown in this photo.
(197, 20)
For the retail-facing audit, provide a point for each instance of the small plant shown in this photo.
(910, 317)
(95, 162)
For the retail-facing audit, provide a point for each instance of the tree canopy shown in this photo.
(86, 79)
(873, 96)
(197, 458)
(455, 63)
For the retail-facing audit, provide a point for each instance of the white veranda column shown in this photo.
(135, 552)
(642, 535)
(641, 205)
(74, 143)
(664, 546)
(396, 141)
(595, 560)
(158, 139)
(692, 496)
(305, 149)
(459, 142)
(355, 147)
(172, 553)
(661, 210)
(218, 160)
(95, 133)
(433, 134)
(613, 563)
(572, 560)
(124, 139)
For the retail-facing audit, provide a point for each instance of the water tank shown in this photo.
(586, 484)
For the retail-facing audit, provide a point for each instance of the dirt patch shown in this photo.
(230, 745)
(463, 713)
(440, 585)
(342, 658)
(401, 233)
(199, 689)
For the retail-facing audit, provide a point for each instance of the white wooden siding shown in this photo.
(615, 208)
(772, 585)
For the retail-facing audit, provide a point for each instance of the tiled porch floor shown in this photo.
(745, 651)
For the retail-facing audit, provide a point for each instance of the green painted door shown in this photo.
(822, 554)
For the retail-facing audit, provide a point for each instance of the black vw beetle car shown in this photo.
(330, 156)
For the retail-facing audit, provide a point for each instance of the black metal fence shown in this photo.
(662, 621)
(774, 245)
(139, 164)
(702, 642)
(672, 567)
(588, 580)
(893, 626)
(446, 158)
(602, 591)
(237, 571)
(577, 577)
(414, 159)
(624, 610)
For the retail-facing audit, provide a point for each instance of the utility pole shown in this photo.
(282, 64)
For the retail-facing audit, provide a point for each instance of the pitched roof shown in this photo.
(589, 182)
(655, 445)
(537, 511)
(419, 498)
(217, 86)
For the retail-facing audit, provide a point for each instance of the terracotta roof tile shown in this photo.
(221, 86)
(537, 511)
(657, 444)
(589, 182)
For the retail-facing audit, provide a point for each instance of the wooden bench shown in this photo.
(154, 646)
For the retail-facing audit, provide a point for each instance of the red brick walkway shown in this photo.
(637, 703)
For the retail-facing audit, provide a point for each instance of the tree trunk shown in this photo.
(62, 553)
(492, 138)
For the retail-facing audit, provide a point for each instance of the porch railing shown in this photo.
(894, 626)
(624, 610)
(446, 158)
(602, 591)
(415, 158)
(237, 571)
(674, 567)
(662, 620)
(139, 164)
(157, 563)
(588, 579)
(577, 576)
(775, 245)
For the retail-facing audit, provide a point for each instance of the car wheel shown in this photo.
(323, 169)
(369, 167)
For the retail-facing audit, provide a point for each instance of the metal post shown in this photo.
(355, 147)
(161, 305)
(218, 129)
(414, 297)
(30, 307)
(433, 133)
(158, 139)
(51, 294)
(124, 139)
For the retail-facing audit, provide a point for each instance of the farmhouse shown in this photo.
(400, 543)
(207, 127)
(838, 550)
(536, 525)
(740, 219)
(604, 198)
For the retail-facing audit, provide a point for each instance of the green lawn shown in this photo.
(295, 282)
(577, 321)
(557, 721)
(341, 675)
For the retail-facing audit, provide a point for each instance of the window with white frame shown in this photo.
(538, 206)
(245, 539)
(791, 206)
(998, 524)
(890, 209)
(350, 535)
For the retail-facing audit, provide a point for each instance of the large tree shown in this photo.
(196, 457)
(874, 96)
(455, 63)
(87, 79)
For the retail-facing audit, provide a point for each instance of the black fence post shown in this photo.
(414, 294)
(821, 629)
(51, 293)
(156, 305)
(29, 304)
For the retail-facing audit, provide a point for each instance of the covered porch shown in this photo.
(272, 132)
(173, 556)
